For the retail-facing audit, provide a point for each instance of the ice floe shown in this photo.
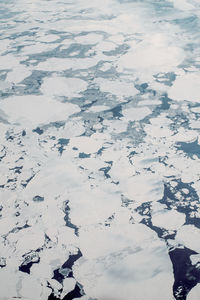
(31, 110)
(18, 74)
(61, 64)
(186, 87)
(135, 189)
(111, 263)
(188, 235)
(8, 62)
(117, 87)
(136, 113)
(90, 38)
(152, 56)
(62, 86)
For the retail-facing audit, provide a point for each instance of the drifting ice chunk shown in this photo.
(117, 87)
(136, 113)
(143, 188)
(189, 236)
(168, 219)
(33, 110)
(186, 87)
(61, 86)
(126, 260)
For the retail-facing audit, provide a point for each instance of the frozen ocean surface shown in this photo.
(100, 149)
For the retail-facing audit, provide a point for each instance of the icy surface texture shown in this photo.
(99, 149)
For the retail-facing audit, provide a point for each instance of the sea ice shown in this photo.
(136, 113)
(63, 86)
(189, 236)
(31, 111)
(117, 87)
(168, 219)
(186, 87)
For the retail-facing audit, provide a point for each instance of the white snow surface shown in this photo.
(61, 86)
(33, 110)
(99, 148)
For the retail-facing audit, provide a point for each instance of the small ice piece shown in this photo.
(196, 109)
(195, 259)
(186, 87)
(63, 86)
(136, 113)
(168, 219)
(189, 236)
(55, 284)
(106, 66)
(68, 286)
(185, 191)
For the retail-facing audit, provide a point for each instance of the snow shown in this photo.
(31, 110)
(61, 86)
(186, 87)
(168, 219)
(188, 235)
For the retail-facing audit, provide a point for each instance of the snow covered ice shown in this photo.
(100, 150)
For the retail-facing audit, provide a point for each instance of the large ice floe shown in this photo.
(100, 150)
